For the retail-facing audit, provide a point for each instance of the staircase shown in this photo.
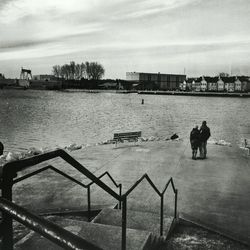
(105, 231)
(111, 229)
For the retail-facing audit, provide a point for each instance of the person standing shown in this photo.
(1, 148)
(204, 135)
(195, 141)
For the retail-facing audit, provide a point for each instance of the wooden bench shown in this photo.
(128, 136)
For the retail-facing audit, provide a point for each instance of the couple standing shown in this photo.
(198, 139)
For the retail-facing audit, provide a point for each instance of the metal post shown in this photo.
(7, 225)
(162, 204)
(124, 223)
(175, 204)
(89, 204)
(120, 193)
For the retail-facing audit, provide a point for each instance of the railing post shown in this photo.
(120, 193)
(89, 203)
(7, 241)
(175, 204)
(124, 222)
(161, 223)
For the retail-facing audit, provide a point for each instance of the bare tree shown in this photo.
(56, 70)
(72, 69)
(94, 70)
(90, 70)
(80, 71)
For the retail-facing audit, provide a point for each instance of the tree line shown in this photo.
(76, 71)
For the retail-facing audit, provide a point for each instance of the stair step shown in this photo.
(107, 237)
(135, 219)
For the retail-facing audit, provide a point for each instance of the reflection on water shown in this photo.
(34, 118)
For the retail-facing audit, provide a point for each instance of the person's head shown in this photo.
(204, 123)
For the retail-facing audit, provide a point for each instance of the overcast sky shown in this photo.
(202, 36)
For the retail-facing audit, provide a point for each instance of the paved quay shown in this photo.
(214, 192)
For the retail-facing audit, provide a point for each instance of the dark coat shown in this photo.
(204, 133)
(195, 138)
(1, 148)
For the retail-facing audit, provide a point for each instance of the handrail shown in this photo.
(110, 177)
(145, 176)
(172, 184)
(161, 195)
(65, 175)
(86, 186)
(49, 230)
(10, 169)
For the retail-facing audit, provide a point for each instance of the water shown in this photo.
(34, 118)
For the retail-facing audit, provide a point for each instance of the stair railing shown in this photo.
(160, 194)
(10, 170)
(49, 230)
(86, 186)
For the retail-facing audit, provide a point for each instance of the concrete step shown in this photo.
(107, 237)
(135, 219)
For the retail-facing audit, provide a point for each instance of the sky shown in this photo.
(198, 37)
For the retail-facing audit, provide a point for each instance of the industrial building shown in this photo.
(156, 80)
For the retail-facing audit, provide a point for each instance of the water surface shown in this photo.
(34, 118)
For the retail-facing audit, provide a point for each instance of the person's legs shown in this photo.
(195, 153)
(205, 150)
(201, 150)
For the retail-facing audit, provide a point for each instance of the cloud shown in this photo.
(143, 32)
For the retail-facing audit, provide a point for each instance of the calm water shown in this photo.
(34, 118)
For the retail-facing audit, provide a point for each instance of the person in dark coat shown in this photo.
(204, 135)
(195, 141)
(1, 148)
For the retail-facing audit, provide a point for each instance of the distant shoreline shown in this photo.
(146, 92)
(182, 93)
(157, 92)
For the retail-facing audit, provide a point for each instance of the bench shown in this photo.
(128, 136)
(247, 145)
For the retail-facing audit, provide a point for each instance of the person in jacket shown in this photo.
(204, 135)
(1, 148)
(195, 141)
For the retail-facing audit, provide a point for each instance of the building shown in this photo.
(212, 83)
(44, 77)
(156, 80)
(204, 85)
(237, 85)
(229, 83)
(220, 85)
(245, 83)
(45, 82)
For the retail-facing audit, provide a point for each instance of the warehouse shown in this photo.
(156, 80)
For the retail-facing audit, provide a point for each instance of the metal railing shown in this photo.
(9, 173)
(86, 186)
(10, 170)
(160, 194)
(49, 230)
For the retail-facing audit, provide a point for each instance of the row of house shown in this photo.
(217, 84)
